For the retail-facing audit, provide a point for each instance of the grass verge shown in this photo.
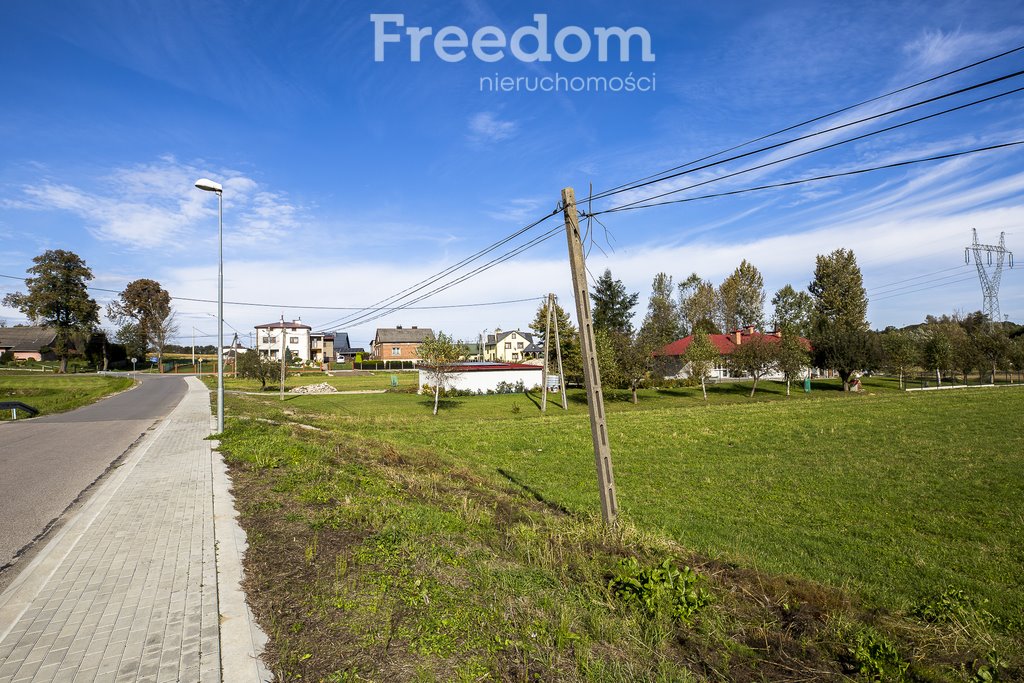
(57, 393)
(872, 536)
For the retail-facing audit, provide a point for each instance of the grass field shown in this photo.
(49, 393)
(868, 511)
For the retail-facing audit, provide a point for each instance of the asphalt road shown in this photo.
(47, 462)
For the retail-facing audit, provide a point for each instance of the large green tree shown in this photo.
(146, 306)
(698, 305)
(661, 325)
(792, 311)
(741, 297)
(839, 326)
(58, 297)
(613, 305)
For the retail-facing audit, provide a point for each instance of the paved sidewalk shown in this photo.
(128, 589)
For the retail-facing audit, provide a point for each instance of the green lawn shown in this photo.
(56, 393)
(889, 498)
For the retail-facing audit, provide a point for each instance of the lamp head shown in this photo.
(209, 185)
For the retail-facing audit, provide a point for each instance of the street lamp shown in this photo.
(210, 186)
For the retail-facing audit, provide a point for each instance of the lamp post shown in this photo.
(210, 186)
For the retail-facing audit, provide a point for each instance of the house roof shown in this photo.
(498, 336)
(28, 338)
(397, 335)
(725, 343)
(294, 325)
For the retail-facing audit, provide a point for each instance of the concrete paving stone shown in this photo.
(65, 675)
(86, 675)
(46, 673)
(105, 677)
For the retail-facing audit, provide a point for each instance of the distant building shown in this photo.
(27, 341)
(511, 346)
(669, 358)
(343, 349)
(296, 339)
(399, 343)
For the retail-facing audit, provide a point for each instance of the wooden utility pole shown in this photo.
(591, 372)
(544, 373)
(558, 355)
(282, 356)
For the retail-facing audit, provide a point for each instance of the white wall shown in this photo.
(484, 380)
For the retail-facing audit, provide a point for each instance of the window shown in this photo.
(396, 350)
(515, 356)
(508, 345)
(519, 345)
(266, 340)
(293, 340)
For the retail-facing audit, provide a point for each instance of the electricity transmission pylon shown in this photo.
(995, 255)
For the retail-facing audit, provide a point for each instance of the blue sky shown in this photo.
(349, 179)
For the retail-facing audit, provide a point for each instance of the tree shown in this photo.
(131, 337)
(839, 326)
(791, 356)
(252, 365)
(58, 297)
(754, 358)
(698, 305)
(741, 297)
(792, 311)
(440, 356)
(633, 360)
(661, 324)
(901, 351)
(1016, 355)
(613, 305)
(937, 351)
(701, 355)
(147, 306)
(993, 346)
(568, 339)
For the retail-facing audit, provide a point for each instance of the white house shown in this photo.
(296, 339)
(512, 346)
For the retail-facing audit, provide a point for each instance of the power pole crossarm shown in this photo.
(995, 257)
(591, 371)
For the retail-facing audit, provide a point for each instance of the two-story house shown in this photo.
(399, 343)
(296, 339)
(512, 346)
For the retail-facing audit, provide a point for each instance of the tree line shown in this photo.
(57, 297)
(830, 314)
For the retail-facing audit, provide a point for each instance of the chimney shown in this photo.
(750, 329)
(737, 337)
(778, 333)
(398, 327)
(415, 328)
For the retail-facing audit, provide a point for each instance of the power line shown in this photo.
(633, 184)
(412, 289)
(307, 307)
(923, 282)
(913, 291)
(829, 176)
(380, 313)
(813, 151)
(918, 277)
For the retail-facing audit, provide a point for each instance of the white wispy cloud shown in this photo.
(486, 127)
(154, 205)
